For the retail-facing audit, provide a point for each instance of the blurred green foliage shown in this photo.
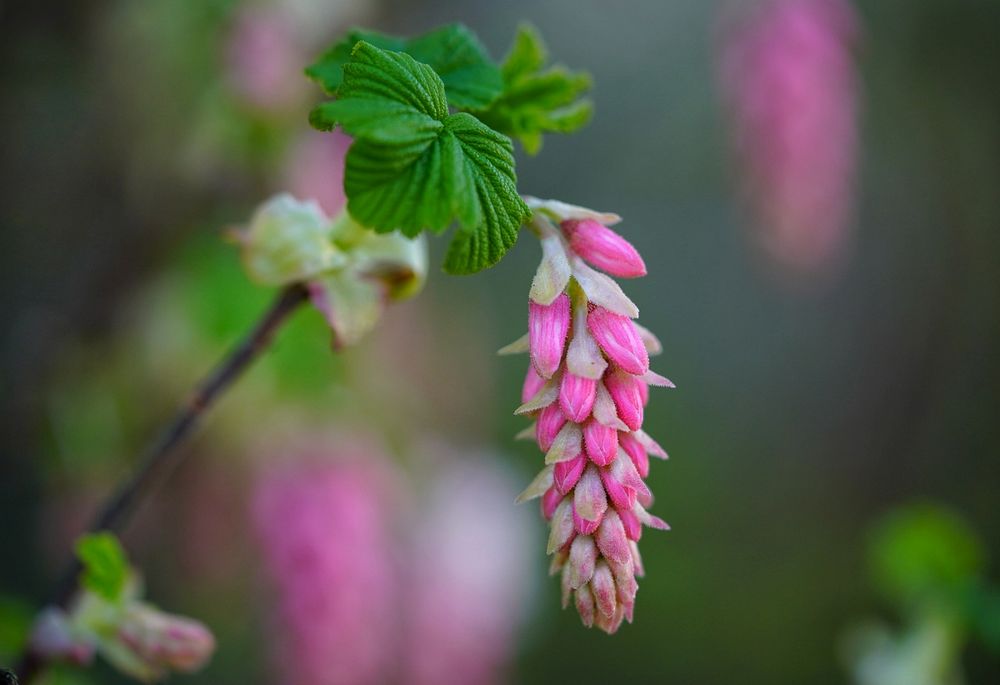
(924, 553)
(105, 566)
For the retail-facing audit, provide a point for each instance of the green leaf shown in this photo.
(105, 566)
(533, 101)
(471, 79)
(415, 167)
(527, 55)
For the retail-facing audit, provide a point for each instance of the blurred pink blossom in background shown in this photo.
(469, 577)
(364, 598)
(264, 59)
(315, 169)
(789, 81)
(326, 534)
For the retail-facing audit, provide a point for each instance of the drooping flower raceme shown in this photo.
(586, 387)
(789, 81)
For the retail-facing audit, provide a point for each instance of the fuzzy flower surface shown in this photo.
(587, 387)
(789, 81)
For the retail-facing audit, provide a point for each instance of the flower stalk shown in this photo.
(163, 454)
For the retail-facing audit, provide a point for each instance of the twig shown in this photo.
(161, 457)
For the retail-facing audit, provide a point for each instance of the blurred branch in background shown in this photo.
(163, 454)
(930, 565)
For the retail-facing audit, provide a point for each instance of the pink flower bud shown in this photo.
(633, 528)
(589, 499)
(567, 589)
(611, 539)
(550, 500)
(559, 560)
(604, 248)
(620, 495)
(532, 384)
(584, 526)
(603, 587)
(601, 442)
(562, 529)
(582, 557)
(53, 637)
(585, 605)
(636, 452)
(164, 641)
(550, 422)
(626, 391)
(548, 326)
(567, 473)
(623, 471)
(624, 574)
(644, 393)
(617, 336)
(636, 559)
(576, 396)
(610, 624)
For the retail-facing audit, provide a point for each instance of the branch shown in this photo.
(161, 456)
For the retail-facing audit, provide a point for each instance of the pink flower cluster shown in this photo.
(375, 583)
(587, 387)
(788, 76)
(329, 549)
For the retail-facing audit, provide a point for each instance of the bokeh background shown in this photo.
(809, 403)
